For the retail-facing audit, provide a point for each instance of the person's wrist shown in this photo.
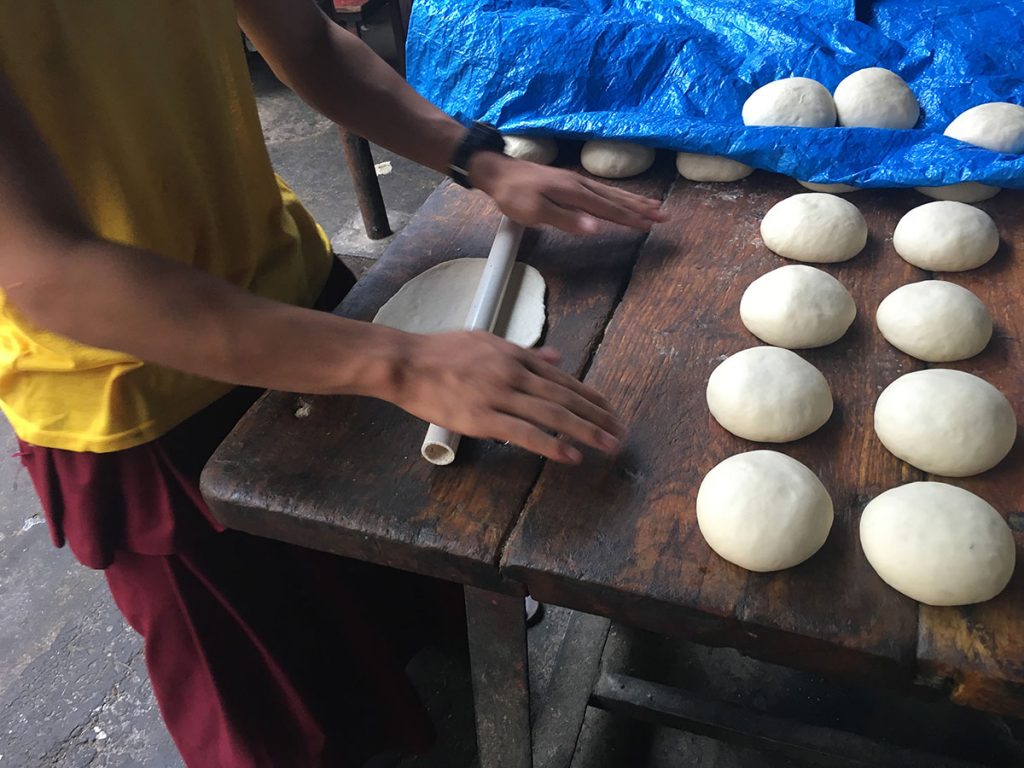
(485, 168)
(383, 371)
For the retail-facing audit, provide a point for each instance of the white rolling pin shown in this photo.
(440, 444)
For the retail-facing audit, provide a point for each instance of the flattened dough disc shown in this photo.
(438, 300)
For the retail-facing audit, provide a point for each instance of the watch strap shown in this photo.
(481, 137)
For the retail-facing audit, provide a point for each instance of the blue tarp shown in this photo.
(675, 74)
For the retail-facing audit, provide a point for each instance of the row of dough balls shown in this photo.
(765, 511)
(873, 97)
(944, 422)
(933, 542)
(942, 236)
(878, 98)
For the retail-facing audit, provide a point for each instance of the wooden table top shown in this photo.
(619, 538)
(347, 477)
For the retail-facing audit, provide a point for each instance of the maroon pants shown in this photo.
(260, 653)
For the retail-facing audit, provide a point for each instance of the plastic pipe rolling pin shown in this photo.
(440, 444)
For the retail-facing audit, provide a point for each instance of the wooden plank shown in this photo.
(620, 538)
(347, 477)
(977, 650)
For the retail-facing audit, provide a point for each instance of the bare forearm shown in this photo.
(339, 76)
(121, 298)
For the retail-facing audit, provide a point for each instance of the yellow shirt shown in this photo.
(148, 107)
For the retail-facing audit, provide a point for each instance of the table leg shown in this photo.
(364, 178)
(501, 678)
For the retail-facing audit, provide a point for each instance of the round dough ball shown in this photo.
(832, 189)
(797, 101)
(616, 159)
(814, 227)
(945, 422)
(797, 307)
(710, 167)
(998, 126)
(763, 511)
(964, 192)
(768, 394)
(876, 98)
(536, 149)
(946, 236)
(935, 321)
(938, 544)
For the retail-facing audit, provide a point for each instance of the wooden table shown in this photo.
(647, 318)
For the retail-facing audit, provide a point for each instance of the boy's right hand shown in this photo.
(479, 385)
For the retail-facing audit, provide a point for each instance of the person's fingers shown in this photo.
(547, 371)
(551, 414)
(645, 206)
(526, 435)
(574, 222)
(581, 198)
(598, 414)
(549, 355)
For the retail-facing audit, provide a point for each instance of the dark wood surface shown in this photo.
(347, 476)
(621, 538)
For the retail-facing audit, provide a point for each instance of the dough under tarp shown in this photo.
(439, 299)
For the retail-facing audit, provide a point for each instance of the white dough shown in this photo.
(763, 511)
(710, 167)
(945, 422)
(938, 544)
(814, 227)
(439, 299)
(797, 307)
(876, 98)
(768, 394)
(998, 126)
(964, 192)
(946, 236)
(797, 101)
(616, 159)
(832, 189)
(935, 321)
(536, 149)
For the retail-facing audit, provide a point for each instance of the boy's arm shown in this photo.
(342, 78)
(61, 277)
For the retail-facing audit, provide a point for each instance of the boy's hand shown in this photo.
(538, 194)
(479, 385)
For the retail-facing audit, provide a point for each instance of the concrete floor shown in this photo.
(73, 685)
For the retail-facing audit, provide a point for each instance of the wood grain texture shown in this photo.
(347, 477)
(621, 538)
(978, 651)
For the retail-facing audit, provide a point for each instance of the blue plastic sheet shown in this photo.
(675, 74)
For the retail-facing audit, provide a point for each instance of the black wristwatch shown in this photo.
(480, 137)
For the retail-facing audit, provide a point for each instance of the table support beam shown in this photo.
(496, 625)
(367, 187)
(665, 705)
